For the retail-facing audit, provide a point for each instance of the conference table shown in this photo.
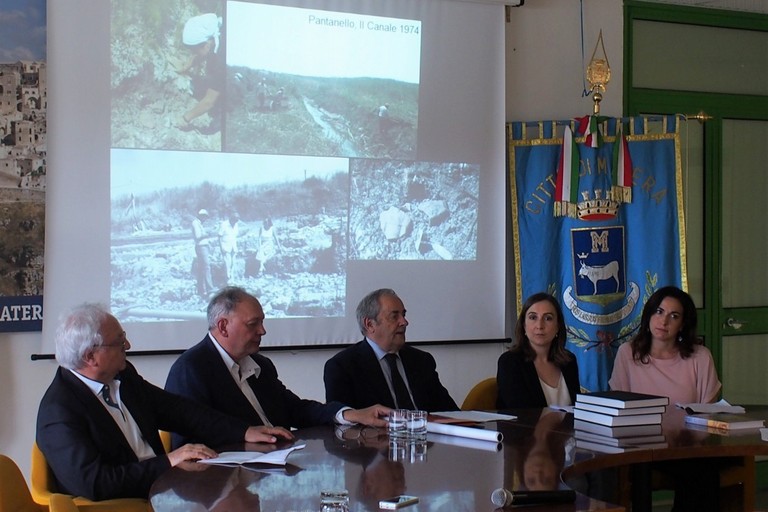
(539, 451)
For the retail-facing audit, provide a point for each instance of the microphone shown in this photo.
(504, 498)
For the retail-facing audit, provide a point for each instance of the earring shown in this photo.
(680, 337)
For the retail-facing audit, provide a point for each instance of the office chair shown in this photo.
(165, 437)
(40, 482)
(482, 397)
(66, 503)
(14, 493)
(62, 503)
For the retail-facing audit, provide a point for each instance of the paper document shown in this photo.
(470, 432)
(474, 416)
(277, 457)
(721, 406)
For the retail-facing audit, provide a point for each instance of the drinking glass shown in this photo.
(416, 424)
(396, 424)
(334, 500)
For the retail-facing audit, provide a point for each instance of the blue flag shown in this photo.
(603, 256)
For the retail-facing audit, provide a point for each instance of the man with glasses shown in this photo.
(98, 421)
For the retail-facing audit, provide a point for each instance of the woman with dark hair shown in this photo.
(538, 370)
(666, 358)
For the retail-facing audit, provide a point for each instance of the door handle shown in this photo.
(734, 324)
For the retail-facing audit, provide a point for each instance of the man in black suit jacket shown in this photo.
(359, 376)
(226, 372)
(98, 421)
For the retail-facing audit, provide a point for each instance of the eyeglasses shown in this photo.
(121, 342)
(356, 433)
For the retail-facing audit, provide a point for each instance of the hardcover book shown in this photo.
(612, 411)
(622, 399)
(627, 431)
(616, 421)
(724, 421)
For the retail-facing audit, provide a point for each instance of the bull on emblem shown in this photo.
(600, 273)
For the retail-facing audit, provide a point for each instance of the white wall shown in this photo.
(544, 63)
(544, 81)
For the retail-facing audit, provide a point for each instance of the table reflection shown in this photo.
(208, 487)
(534, 459)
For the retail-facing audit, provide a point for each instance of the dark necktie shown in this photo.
(402, 397)
(107, 396)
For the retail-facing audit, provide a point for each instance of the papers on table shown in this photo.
(470, 432)
(721, 406)
(277, 457)
(474, 416)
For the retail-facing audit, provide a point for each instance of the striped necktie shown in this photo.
(402, 397)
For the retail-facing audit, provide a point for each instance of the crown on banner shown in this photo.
(597, 208)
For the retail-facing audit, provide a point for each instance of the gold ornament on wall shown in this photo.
(598, 73)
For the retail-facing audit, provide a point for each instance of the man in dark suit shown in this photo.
(98, 421)
(226, 372)
(362, 374)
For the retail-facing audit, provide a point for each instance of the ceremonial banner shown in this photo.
(600, 228)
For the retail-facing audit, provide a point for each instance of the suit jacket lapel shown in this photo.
(371, 366)
(95, 409)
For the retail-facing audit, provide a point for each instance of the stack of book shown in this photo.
(616, 421)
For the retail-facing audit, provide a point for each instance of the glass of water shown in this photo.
(396, 424)
(334, 500)
(416, 424)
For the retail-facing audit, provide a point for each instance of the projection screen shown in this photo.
(309, 152)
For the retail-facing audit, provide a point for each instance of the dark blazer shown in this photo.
(87, 451)
(200, 374)
(354, 377)
(519, 384)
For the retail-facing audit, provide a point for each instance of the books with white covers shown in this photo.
(278, 457)
(605, 448)
(724, 421)
(612, 411)
(616, 421)
(621, 399)
(619, 441)
(625, 431)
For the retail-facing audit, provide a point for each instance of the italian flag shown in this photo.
(589, 126)
(621, 175)
(567, 181)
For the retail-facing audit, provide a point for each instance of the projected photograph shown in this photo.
(167, 74)
(185, 224)
(413, 210)
(309, 82)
